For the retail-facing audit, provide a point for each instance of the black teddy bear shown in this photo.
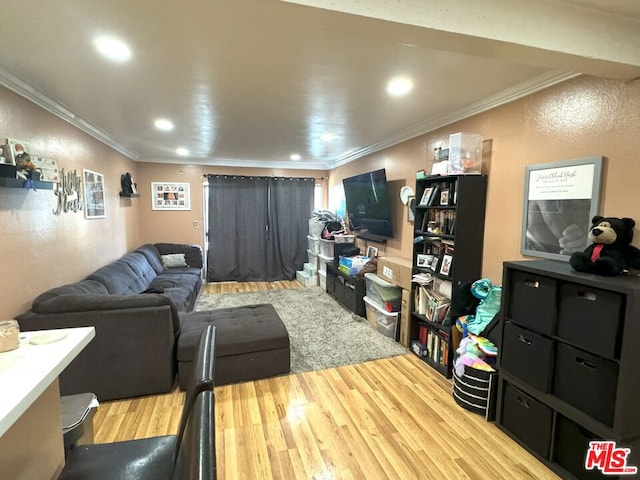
(610, 253)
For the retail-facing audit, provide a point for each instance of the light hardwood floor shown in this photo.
(392, 418)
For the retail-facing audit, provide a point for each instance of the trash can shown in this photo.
(77, 419)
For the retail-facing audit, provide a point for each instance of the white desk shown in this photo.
(31, 443)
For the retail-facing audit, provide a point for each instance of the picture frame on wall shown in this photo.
(94, 205)
(560, 199)
(170, 196)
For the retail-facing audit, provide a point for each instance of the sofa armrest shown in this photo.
(132, 354)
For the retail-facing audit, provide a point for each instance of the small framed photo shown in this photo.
(445, 267)
(434, 263)
(18, 152)
(423, 260)
(411, 210)
(444, 196)
(372, 252)
(426, 195)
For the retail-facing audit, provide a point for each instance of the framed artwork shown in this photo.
(372, 252)
(445, 266)
(426, 195)
(48, 168)
(411, 211)
(18, 152)
(170, 196)
(93, 194)
(444, 196)
(560, 199)
(423, 260)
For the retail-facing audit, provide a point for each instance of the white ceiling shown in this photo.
(250, 82)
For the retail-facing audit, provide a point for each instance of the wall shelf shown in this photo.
(19, 183)
(129, 195)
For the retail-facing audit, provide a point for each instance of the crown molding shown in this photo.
(224, 162)
(515, 92)
(34, 95)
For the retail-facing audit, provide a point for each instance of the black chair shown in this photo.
(190, 454)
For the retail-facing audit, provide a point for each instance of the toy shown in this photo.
(610, 253)
(489, 296)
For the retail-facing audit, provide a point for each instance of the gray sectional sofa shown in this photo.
(135, 305)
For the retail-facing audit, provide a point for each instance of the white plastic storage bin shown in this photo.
(306, 280)
(344, 238)
(313, 258)
(322, 276)
(384, 294)
(310, 269)
(314, 244)
(384, 322)
(322, 267)
(315, 227)
(326, 247)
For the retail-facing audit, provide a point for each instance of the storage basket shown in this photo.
(476, 391)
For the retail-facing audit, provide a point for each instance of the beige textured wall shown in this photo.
(178, 226)
(38, 249)
(582, 117)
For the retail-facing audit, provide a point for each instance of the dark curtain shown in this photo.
(257, 227)
(290, 207)
(238, 213)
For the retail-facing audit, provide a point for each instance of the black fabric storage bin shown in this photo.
(528, 356)
(571, 446)
(532, 302)
(591, 318)
(586, 381)
(527, 419)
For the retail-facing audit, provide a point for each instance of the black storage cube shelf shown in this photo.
(528, 356)
(586, 381)
(532, 302)
(527, 419)
(585, 310)
(571, 446)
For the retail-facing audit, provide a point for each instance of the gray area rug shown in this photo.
(323, 334)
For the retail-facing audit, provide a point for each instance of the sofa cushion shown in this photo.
(130, 274)
(152, 255)
(83, 287)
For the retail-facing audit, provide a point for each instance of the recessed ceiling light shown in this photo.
(113, 49)
(295, 157)
(399, 86)
(182, 151)
(163, 124)
(326, 137)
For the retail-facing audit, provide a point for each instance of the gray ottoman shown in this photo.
(251, 343)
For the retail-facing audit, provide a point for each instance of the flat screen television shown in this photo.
(368, 205)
